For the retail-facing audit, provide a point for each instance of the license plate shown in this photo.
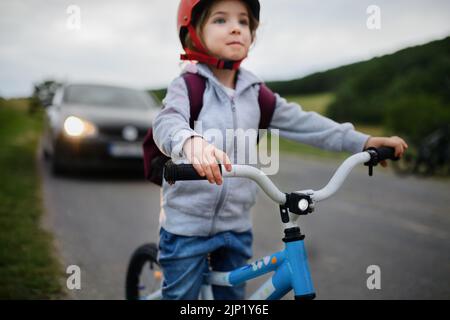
(119, 150)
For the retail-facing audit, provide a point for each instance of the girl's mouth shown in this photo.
(235, 43)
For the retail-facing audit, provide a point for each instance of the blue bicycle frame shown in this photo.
(291, 272)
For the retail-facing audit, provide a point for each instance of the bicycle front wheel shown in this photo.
(144, 275)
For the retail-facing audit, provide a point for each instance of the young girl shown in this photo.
(210, 220)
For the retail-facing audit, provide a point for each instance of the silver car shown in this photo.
(97, 126)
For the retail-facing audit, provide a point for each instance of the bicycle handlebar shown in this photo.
(385, 153)
(371, 157)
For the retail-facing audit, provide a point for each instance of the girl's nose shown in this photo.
(236, 28)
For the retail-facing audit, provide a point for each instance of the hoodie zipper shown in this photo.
(225, 181)
(233, 110)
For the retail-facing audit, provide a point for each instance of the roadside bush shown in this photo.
(415, 116)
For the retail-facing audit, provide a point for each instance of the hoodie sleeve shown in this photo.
(311, 128)
(171, 126)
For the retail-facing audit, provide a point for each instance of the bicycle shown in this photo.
(290, 266)
(429, 157)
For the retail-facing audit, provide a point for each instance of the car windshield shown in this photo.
(106, 96)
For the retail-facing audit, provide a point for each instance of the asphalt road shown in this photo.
(401, 225)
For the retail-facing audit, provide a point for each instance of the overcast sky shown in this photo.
(134, 43)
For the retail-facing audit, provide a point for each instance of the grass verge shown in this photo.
(29, 268)
(319, 103)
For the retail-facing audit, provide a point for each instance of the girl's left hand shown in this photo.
(395, 142)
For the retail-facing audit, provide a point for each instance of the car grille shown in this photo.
(115, 133)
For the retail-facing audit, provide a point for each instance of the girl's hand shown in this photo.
(204, 157)
(395, 142)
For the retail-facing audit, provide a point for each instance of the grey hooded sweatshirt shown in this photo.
(198, 208)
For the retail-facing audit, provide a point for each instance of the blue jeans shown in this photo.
(184, 261)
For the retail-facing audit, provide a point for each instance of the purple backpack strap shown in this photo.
(196, 85)
(267, 102)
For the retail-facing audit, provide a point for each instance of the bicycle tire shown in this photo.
(146, 253)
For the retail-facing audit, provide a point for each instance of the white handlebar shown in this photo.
(279, 197)
(259, 177)
(340, 175)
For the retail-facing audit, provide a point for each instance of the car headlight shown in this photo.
(76, 127)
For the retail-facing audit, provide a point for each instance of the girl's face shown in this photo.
(226, 33)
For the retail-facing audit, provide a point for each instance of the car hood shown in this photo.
(110, 115)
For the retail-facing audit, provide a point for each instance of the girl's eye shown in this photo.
(244, 22)
(219, 20)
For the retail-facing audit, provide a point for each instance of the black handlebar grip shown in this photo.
(181, 172)
(386, 153)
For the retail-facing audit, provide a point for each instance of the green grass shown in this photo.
(319, 103)
(313, 102)
(28, 266)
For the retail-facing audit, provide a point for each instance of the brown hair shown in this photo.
(201, 15)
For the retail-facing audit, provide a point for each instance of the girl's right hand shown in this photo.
(204, 157)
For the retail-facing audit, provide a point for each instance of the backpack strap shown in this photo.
(196, 85)
(267, 102)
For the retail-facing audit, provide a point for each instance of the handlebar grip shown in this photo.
(386, 153)
(181, 172)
